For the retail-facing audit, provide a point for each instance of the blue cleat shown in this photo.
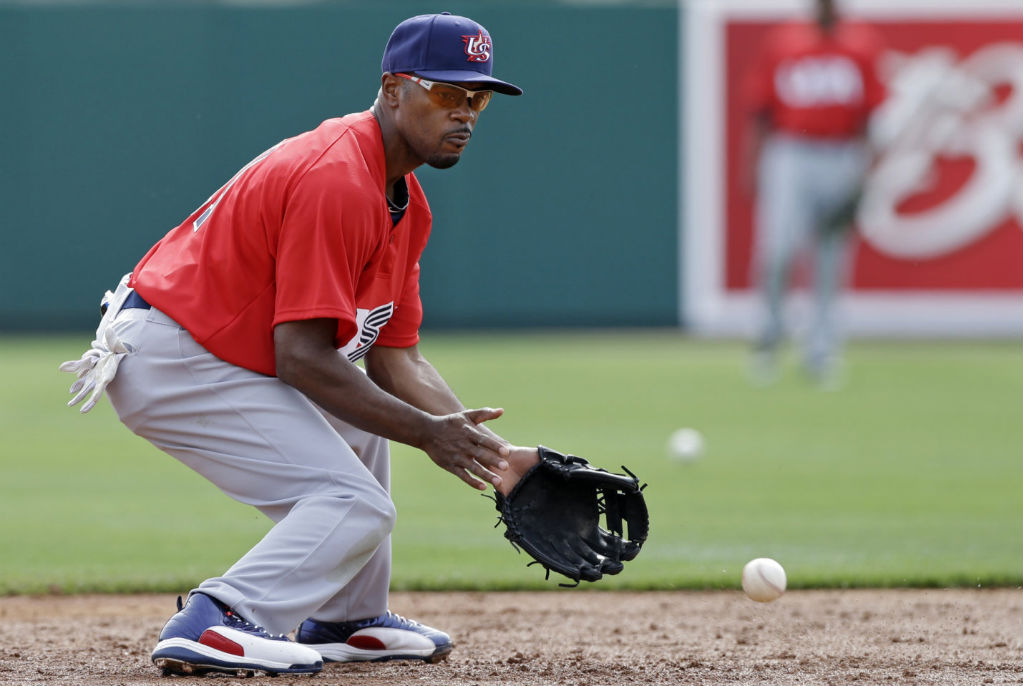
(387, 637)
(206, 637)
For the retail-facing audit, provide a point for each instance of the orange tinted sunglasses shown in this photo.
(450, 96)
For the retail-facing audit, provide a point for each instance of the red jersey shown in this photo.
(301, 232)
(817, 84)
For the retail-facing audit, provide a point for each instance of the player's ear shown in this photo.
(390, 88)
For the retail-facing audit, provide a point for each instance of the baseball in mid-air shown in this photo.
(685, 445)
(763, 580)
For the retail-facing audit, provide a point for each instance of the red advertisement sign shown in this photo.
(944, 209)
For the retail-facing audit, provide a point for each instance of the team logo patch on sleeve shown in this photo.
(369, 322)
(477, 47)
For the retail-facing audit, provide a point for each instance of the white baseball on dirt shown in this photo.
(763, 580)
(685, 445)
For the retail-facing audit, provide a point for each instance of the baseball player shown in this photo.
(232, 345)
(810, 94)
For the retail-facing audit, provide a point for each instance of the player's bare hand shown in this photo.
(456, 443)
(520, 460)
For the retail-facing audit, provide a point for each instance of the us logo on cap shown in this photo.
(477, 47)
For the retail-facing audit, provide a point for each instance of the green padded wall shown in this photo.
(119, 119)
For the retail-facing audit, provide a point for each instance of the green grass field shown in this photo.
(911, 475)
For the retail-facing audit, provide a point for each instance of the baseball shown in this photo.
(685, 445)
(763, 580)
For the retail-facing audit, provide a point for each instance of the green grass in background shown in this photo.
(910, 475)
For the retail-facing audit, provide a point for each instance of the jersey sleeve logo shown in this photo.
(477, 47)
(369, 323)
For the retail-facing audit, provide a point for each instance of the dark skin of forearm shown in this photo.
(401, 398)
(405, 373)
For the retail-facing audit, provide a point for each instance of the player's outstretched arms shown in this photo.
(307, 360)
(459, 441)
(396, 400)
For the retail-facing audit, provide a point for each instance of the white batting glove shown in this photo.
(98, 365)
(96, 368)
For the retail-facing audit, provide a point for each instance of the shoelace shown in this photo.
(398, 619)
(237, 622)
(389, 620)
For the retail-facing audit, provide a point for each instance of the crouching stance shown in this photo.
(232, 346)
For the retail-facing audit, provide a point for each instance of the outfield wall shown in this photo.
(568, 209)
(120, 118)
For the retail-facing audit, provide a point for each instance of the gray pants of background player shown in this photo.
(324, 483)
(801, 185)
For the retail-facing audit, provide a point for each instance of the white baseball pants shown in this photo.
(800, 184)
(324, 483)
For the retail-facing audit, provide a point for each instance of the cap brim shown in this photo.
(466, 76)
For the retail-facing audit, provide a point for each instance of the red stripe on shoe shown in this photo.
(219, 642)
(366, 643)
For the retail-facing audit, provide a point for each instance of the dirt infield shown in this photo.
(581, 637)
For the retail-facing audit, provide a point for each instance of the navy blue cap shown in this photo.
(444, 47)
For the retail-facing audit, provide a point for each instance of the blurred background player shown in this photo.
(810, 95)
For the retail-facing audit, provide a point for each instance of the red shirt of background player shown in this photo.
(301, 232)
(814, 83)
